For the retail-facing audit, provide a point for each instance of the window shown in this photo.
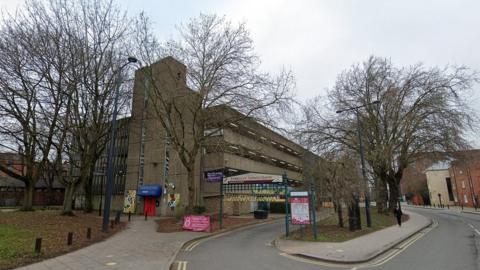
(465, 200)
(463, 184)
(213, 132)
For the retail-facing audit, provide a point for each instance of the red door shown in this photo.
(149, 206)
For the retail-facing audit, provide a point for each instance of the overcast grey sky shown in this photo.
(319, 39)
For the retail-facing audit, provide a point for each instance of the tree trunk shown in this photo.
(88, 208)
(28, 196)
(351, 217)
(67, 201)
(340, 214)
(393, 198)
(381, 196)
(191, 190)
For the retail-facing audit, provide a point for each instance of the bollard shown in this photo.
(448, 206)
(129, 214)
(70, 238)
(462, 206)
(145, 215)
(38, 245)
(89, 233)
(111, 223)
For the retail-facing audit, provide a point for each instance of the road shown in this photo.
(453, 244)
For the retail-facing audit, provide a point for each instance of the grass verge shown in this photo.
(329, 231)
(18, 231)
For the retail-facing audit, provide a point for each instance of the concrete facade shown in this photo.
(242, 146)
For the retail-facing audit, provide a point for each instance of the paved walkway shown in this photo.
(138, 247)
(359, 249)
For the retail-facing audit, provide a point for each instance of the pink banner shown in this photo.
(300, 210)
(196, 223)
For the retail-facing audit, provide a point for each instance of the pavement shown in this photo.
(356, 250)
(139, 246)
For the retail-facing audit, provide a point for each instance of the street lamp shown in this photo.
(362, 158)
(110, 169)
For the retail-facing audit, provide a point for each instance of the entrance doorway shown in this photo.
(149, 206)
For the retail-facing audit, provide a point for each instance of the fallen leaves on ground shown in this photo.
(53, 229)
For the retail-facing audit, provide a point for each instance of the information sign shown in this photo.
(196, 223)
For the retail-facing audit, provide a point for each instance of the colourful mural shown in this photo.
(129, 201)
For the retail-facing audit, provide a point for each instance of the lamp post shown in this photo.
(110, 169)
(362, 158)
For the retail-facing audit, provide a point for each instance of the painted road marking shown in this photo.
(182, 265)
(402, 247)
(474, 229)
(300, 259)
(192, 245)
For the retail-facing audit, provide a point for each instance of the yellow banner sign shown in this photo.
(251, 198)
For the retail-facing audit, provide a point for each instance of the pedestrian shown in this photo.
(398, 214)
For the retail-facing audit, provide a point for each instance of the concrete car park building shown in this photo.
(154, 180)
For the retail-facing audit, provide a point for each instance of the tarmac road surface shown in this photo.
(453, 244)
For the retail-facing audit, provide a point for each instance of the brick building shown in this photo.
(455, 176)
(48, 191)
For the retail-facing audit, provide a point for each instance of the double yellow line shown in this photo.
(192, 245)
(400, 248)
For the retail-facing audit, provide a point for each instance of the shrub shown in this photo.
(198, 209)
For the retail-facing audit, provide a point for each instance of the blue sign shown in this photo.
(214, 176)
(150, 191)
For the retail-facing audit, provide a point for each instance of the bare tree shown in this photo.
(339, 177)
(34, 90)
(421, 110)
(60, 68)
(225, 81)
(101, 33)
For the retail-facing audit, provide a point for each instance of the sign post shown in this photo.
(220, 222)
(285, 183)
(313, 205)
